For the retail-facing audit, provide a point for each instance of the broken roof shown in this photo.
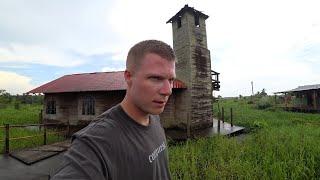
(98, 81)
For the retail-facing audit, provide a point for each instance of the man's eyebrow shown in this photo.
(161, 76)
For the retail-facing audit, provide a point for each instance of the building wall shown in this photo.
(69, 106)
(66, 107)
(306, 100)
(174, 108)
(193, 67)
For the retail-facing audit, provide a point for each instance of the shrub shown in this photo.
(3, 106)
(250, 101)
(17, 105)
(260, 124)
(264, 103)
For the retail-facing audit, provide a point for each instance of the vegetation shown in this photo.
(22, 109)
(19, 109)
(278, 145)
(25, 114)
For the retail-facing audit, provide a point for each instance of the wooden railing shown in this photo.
(221, 117)
(7, 127)
(215, 80)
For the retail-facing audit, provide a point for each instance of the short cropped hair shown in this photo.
(139, 50)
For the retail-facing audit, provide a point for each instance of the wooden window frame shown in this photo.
(88, 106)
(51, 107)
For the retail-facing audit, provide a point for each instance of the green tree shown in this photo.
(5, 98)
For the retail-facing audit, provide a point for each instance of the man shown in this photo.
(128, 141)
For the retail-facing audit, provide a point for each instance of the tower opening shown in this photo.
(196, 20)
(179, 21)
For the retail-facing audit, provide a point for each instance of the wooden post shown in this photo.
(315, 100)
(218, 126)
(40, 117)
(286, 100)
(231, 116)
(68, 130)
(7, 138)
(222, 117)
(219, 116)
(44, 134)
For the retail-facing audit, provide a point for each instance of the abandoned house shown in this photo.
(79, 98)
(303, 98)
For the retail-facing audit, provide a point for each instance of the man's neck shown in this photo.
(135, 113)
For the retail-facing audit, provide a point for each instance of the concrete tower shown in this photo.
(193, 67)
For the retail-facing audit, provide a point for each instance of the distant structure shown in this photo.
(79, 98)
(303, 98)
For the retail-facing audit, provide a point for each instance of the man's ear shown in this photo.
(128, 77)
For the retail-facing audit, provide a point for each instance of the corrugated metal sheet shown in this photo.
(303, 88)
(99, 81)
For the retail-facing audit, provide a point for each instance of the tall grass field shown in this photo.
(277, 145)
(26, 114)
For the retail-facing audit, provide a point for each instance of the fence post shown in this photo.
(44, 134)
(231, 116)
(219, 117)
(7, 138)
(40, 116)
(218, 126)
(222, 115)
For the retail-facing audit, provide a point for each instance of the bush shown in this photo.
(3, 106)
(17, 105)
(260, 124)
(264, 103)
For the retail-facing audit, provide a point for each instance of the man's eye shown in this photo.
(155, 78)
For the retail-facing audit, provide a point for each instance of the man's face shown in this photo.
(151, 84)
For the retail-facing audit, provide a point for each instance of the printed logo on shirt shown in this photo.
(156, 152)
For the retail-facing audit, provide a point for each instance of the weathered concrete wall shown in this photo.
(65, 107)
(175, 108)
(167, 116)
(193, 67)
(69, 106)
(103, 102)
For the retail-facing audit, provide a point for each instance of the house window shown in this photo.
(51, 107)
(88, 106)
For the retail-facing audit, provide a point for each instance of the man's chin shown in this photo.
(156, 112)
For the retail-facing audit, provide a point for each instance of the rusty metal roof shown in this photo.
(186, 8)
(98, 81)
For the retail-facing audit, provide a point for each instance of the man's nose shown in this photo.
(166, 88)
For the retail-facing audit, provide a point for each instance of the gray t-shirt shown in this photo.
(116, 147)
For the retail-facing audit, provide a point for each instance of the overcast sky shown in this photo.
(274, 43)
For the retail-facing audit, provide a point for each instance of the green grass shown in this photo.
(279, 145)
(26, 114)
(246, 115)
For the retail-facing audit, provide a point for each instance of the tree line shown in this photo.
(8, 99)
